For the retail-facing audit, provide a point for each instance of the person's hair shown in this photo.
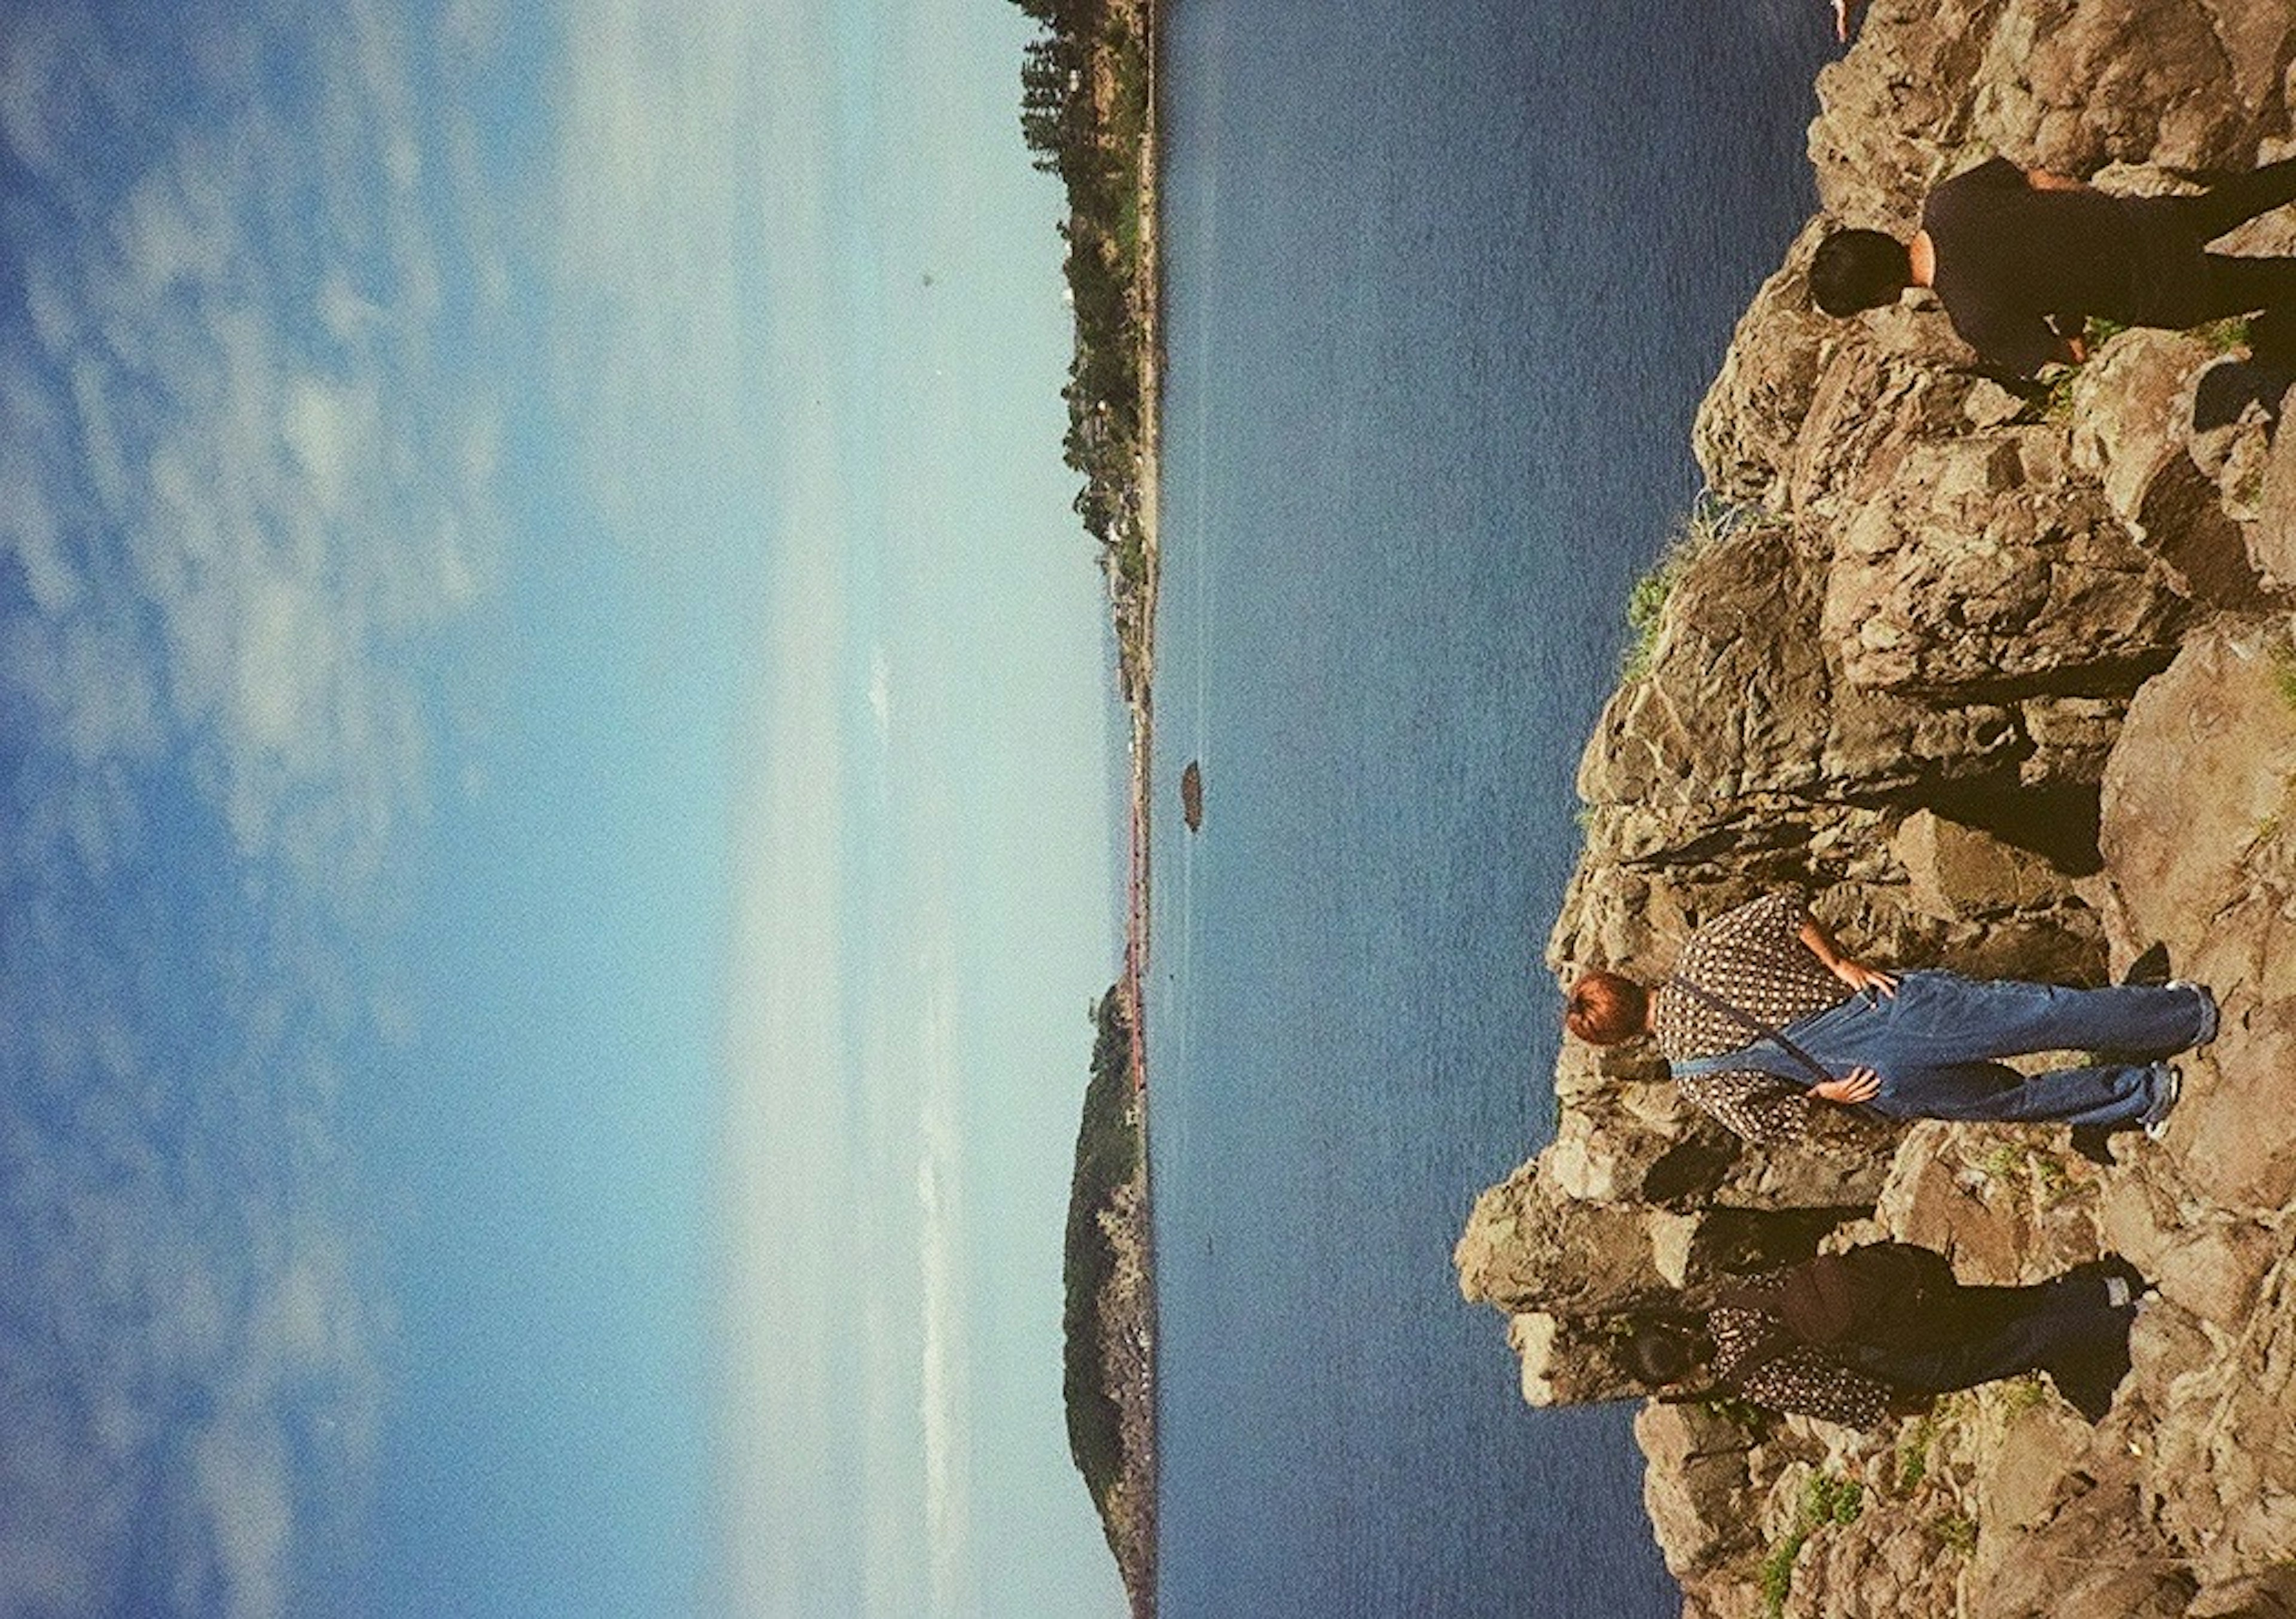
(1856, 270)
(1663, 1352)
(1603, 1009)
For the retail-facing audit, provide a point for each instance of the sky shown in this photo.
(556, 841)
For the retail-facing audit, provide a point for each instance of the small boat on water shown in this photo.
(1192, 796)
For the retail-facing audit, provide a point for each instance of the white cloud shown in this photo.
(945, 1402)
(880, 692)
(689, 202)
(796, 1255)
(245, 491)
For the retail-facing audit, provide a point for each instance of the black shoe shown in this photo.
(2093, 1142)
(2150, 969)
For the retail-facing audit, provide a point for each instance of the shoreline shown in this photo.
(1142, 655)
(1150, 289)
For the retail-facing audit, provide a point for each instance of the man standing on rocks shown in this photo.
(2020, 258)
(1765, 1020)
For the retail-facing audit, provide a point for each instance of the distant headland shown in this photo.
(1088, 113)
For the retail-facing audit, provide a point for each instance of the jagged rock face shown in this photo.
(1982, 573)
(2068, 85)
(1695, 1486)
(2183, 84)
(2199, 831)
(2010, 690)
(2272, 536)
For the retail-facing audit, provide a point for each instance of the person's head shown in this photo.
(1665, 1352)
(1856, 270)
(1603, 1009)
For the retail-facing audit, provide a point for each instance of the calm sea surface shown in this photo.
(1447, 282)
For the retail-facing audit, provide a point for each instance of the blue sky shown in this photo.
(557, 837)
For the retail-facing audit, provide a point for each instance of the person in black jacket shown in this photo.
(2022, 257)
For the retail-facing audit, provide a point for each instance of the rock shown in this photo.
(1895, 111)
(2094, 1558)
(2272, 541)
(1528, 1247)
(2214, 1272)
(2007, 1203)
(2123, 81)
(1981, 575)
(2197, 781)
(1693, 1486)
(2132, 415)
(2131, 405)
(1957, 873)
(1875, 1568)
(1746, 426)
(2071, 739)
(2168, 1343)
(2041, 1450)
(2269, 1595)
(2196, 856)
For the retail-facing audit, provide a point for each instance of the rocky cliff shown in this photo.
(2010, 685)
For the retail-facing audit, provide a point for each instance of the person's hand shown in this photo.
(1858, 1085)
(1857, 976)
(1842, 9)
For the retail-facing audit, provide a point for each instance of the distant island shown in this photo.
(1089, 114)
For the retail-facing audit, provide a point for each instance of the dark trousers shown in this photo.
(2067, 1327)
(2227, 285)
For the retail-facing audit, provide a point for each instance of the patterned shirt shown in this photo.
(1753, 958)
(1788, 1375)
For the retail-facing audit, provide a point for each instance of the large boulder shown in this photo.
(2200, 854)
(1693, 1486)
(1985, 573)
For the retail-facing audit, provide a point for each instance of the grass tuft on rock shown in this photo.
(1826, 1498)
(1711, 520)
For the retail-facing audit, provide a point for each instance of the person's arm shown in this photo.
(1856, 973)
(1858, 1085)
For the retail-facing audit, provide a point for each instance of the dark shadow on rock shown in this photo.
(2056, 820)
(2228, 388)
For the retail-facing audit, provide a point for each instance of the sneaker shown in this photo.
(2208, 1009)
(2164, 1102)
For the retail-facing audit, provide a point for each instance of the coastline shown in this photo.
(1132, 609)
(1138, 658)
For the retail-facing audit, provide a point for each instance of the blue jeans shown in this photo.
(1935, 1044)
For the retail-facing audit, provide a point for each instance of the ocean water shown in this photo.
(1446, 284)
